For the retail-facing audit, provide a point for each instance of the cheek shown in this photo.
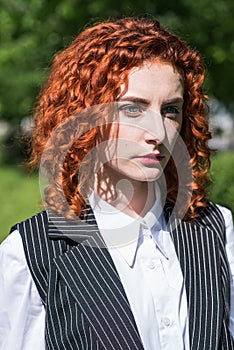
(125, 132)
(128, 137)
(122, 131)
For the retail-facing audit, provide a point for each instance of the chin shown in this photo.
(153, 176)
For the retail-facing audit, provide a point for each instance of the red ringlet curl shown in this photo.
(91, 72)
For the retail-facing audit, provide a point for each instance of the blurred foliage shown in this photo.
(222, 172)
(32, 31)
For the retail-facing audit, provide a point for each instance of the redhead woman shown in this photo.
(129, 252)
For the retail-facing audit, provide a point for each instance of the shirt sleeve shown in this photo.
(230, 255)
(22, 314)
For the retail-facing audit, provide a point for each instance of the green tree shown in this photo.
(31, 31)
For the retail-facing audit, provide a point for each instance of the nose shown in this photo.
(155, 132)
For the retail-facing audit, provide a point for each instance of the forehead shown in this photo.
(154, 78)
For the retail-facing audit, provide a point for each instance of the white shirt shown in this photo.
(148, 268)
(150, 273)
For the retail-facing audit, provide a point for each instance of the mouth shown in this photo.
(151, 158)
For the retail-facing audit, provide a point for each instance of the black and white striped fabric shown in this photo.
(201, 251)
(86, 305)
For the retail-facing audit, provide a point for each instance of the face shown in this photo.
(150, 118)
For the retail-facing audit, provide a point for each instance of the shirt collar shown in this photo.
(123, 232)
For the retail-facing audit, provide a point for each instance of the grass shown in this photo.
(19, 197)
(20, 194)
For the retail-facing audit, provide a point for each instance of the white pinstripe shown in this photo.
(71, 317)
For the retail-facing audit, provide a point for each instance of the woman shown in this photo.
(129, 253)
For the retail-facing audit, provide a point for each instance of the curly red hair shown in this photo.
(91, 72)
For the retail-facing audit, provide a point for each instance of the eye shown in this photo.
(171, 111)
(132, 110)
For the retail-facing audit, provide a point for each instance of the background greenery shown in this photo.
(19, 197)
(222, 172)
(32, 31)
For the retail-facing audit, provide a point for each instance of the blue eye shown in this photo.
(131, 110)
(171, 111)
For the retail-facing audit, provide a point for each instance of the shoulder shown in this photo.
(38, 220)
(33, 231)
(229, 230)
(13, 257)
(213, 213)
(12, 248)
(226, 213)
(12, 252)
(218, 213)
(219, 219)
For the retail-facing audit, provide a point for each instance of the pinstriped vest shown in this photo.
(86, 305)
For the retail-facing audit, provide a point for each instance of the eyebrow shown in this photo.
(146, 102)
(135, 99)
(174, 100)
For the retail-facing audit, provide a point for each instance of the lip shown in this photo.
(151, 158)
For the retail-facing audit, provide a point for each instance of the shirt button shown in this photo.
(147, 236)
(166, 321)
(151, 265)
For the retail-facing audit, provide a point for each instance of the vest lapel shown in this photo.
(89, 273)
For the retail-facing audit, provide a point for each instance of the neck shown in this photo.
(134, 198)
